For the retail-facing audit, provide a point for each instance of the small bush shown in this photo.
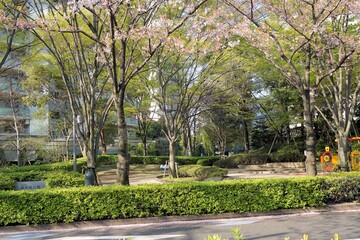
(288, 153)
(229, 162)
(201, 173)
(106, 160)
(208, 161)
(207, 172)
(243, 159)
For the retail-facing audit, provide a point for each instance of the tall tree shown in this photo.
(291, 36)
(11, 97)
(179, 84)
(62, 34)
(14, 43)
(340, 90)
(132, 33)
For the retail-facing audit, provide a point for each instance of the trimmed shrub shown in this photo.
(61, 166)
(106, 160)
(64, 179)
(201, 173)
(188, 170)
(229, 162)
(344, 187)
(52, 179)
(6, 183)
(111, 202)
(208, 161)
(244, 159)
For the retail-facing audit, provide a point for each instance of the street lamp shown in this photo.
(76, 119)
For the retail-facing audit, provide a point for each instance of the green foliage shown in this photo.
(235, 160)
(288, 153)
(64, 179)
(182, 160)
(52, 178)
(208, 161)
(6, 183)
(111, 202)
(343, 187)
(106, 160)
(201, 173)
(63, 166)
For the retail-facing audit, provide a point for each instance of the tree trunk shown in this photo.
(185, 139)
(288, 134)
(144, 142)
(172, 152)
(246, 137)
(123, 164)
(222, 145)
(102, 142)
(343, 151)
(310, 134)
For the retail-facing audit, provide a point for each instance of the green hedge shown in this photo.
(111, 202)
(52, 179)
(235, 160)
(182, 160)
(236, 196)
(62, 166)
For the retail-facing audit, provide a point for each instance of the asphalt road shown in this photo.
(319, 225)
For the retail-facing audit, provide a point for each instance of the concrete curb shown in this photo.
(82, 226)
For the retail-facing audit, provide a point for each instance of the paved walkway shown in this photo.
(155, 178)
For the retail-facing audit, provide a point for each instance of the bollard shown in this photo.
(89, 177)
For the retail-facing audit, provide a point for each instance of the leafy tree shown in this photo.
(179, 85)
(292, 36)
(63, 35)
(340, 90)
(14, 43)
(131, 33)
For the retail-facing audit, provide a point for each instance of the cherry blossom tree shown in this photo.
(293, 35)
(131, 33)
(65, 41)
(178, 86)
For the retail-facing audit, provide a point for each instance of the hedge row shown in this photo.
(111, 202)
(60, 166)
(182, 160)
(52, 178)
